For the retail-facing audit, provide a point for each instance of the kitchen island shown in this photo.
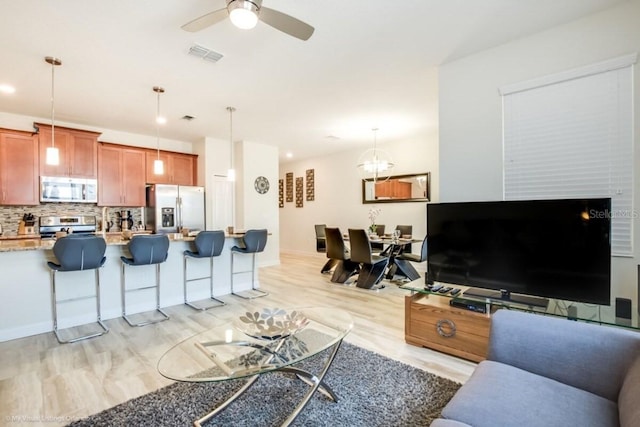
(25, 286)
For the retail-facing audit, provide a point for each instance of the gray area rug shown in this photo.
(373, 390)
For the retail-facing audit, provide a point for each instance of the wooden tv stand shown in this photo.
(431, 322)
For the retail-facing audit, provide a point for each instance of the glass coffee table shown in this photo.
(256, 343)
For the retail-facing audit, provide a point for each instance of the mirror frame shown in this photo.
(385, 178)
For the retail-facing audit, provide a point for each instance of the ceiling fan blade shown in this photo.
(206, 20)
(285, 23)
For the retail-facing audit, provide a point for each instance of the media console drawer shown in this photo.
(431, 322)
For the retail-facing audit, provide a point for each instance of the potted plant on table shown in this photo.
(373, 214)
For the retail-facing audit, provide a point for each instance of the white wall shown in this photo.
(254, 210)
(471, 109)
(338, 194)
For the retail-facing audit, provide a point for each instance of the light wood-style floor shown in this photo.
(43, 383)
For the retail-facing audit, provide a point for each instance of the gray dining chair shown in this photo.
(403, 262)
(321, 246)
(77, 252)
(145, 250)
(372, 267)
(253, 242)
(338, 252)
(208, 245)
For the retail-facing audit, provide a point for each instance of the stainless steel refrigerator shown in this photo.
(171, 208)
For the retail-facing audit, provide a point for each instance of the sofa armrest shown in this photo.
(590, 357)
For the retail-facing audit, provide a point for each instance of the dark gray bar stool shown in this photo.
(145, 250)
(208, 244)
(253, 242)
(77, 252)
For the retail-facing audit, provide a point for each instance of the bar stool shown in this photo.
(254, 241)
(145, 250)
(77, 252)
(208, 244)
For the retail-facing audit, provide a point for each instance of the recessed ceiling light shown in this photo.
(8, 89)
(332, 137)
(289, 155)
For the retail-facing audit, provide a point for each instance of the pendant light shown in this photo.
(53, 154)
(158, 165)
(231, 173)
(375, 164)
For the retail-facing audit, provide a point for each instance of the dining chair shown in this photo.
(77, 252)
(253, 242)
(146, 250)
(404, 260)
(405, 230)
(372, 267)
(208, 245)
(338, 252)
(377, 246)
(321, 246)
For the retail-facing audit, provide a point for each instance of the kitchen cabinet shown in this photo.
(78, 152)
(121, 176)
(19, 184)
(179, 168)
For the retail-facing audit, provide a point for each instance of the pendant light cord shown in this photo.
(158, 126)
(53, 126)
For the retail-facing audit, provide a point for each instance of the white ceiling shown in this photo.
(370, 63)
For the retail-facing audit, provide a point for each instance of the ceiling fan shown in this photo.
(246, 13)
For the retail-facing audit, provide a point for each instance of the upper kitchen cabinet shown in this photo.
(78, 152)
(19, 168)
(179, 169)
(121, 176)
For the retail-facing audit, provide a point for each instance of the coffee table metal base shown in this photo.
(316, 383)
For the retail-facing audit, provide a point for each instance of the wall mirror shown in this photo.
(397, 188)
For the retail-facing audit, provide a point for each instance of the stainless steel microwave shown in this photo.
(76, 190)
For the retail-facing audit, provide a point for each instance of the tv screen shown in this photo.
(549, 248)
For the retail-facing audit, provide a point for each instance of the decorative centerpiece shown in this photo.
(271, 324)
(373, 214)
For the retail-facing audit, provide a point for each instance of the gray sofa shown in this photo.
(545, 371)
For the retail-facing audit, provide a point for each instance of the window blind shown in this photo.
(573, 138)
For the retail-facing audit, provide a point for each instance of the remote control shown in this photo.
(428, 287)
(436, 288)
(455, 291)
(445, 290)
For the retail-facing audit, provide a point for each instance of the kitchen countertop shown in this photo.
(113, 239)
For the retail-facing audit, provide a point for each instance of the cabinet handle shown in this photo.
(446, 328)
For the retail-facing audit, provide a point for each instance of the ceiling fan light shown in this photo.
(243, 14)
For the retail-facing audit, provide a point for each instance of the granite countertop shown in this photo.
(13, 244)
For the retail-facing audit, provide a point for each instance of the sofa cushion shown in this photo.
(628, 407)
(499, 394)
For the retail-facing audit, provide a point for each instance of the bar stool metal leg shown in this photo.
(125, 316)
(253, 292)
(54, 307)
(216, 302)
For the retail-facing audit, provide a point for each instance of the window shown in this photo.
(571, 136)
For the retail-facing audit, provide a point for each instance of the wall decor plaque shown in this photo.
(281, 193)
(299, 192)
(311, 192)
(289, 183)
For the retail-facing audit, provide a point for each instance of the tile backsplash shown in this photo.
(10, 216)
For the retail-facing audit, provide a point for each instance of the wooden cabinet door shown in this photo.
(78, 152)
(82, 156)
(109, 176)
(19, 184)
(62, 143)
(182, 169)
(133, 177)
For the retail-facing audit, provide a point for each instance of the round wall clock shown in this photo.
(261, 184)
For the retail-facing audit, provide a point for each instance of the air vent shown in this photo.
(204, 53)
(188, 118)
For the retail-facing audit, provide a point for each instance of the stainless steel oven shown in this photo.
(60, 189)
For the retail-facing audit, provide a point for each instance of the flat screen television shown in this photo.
(509, 249)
